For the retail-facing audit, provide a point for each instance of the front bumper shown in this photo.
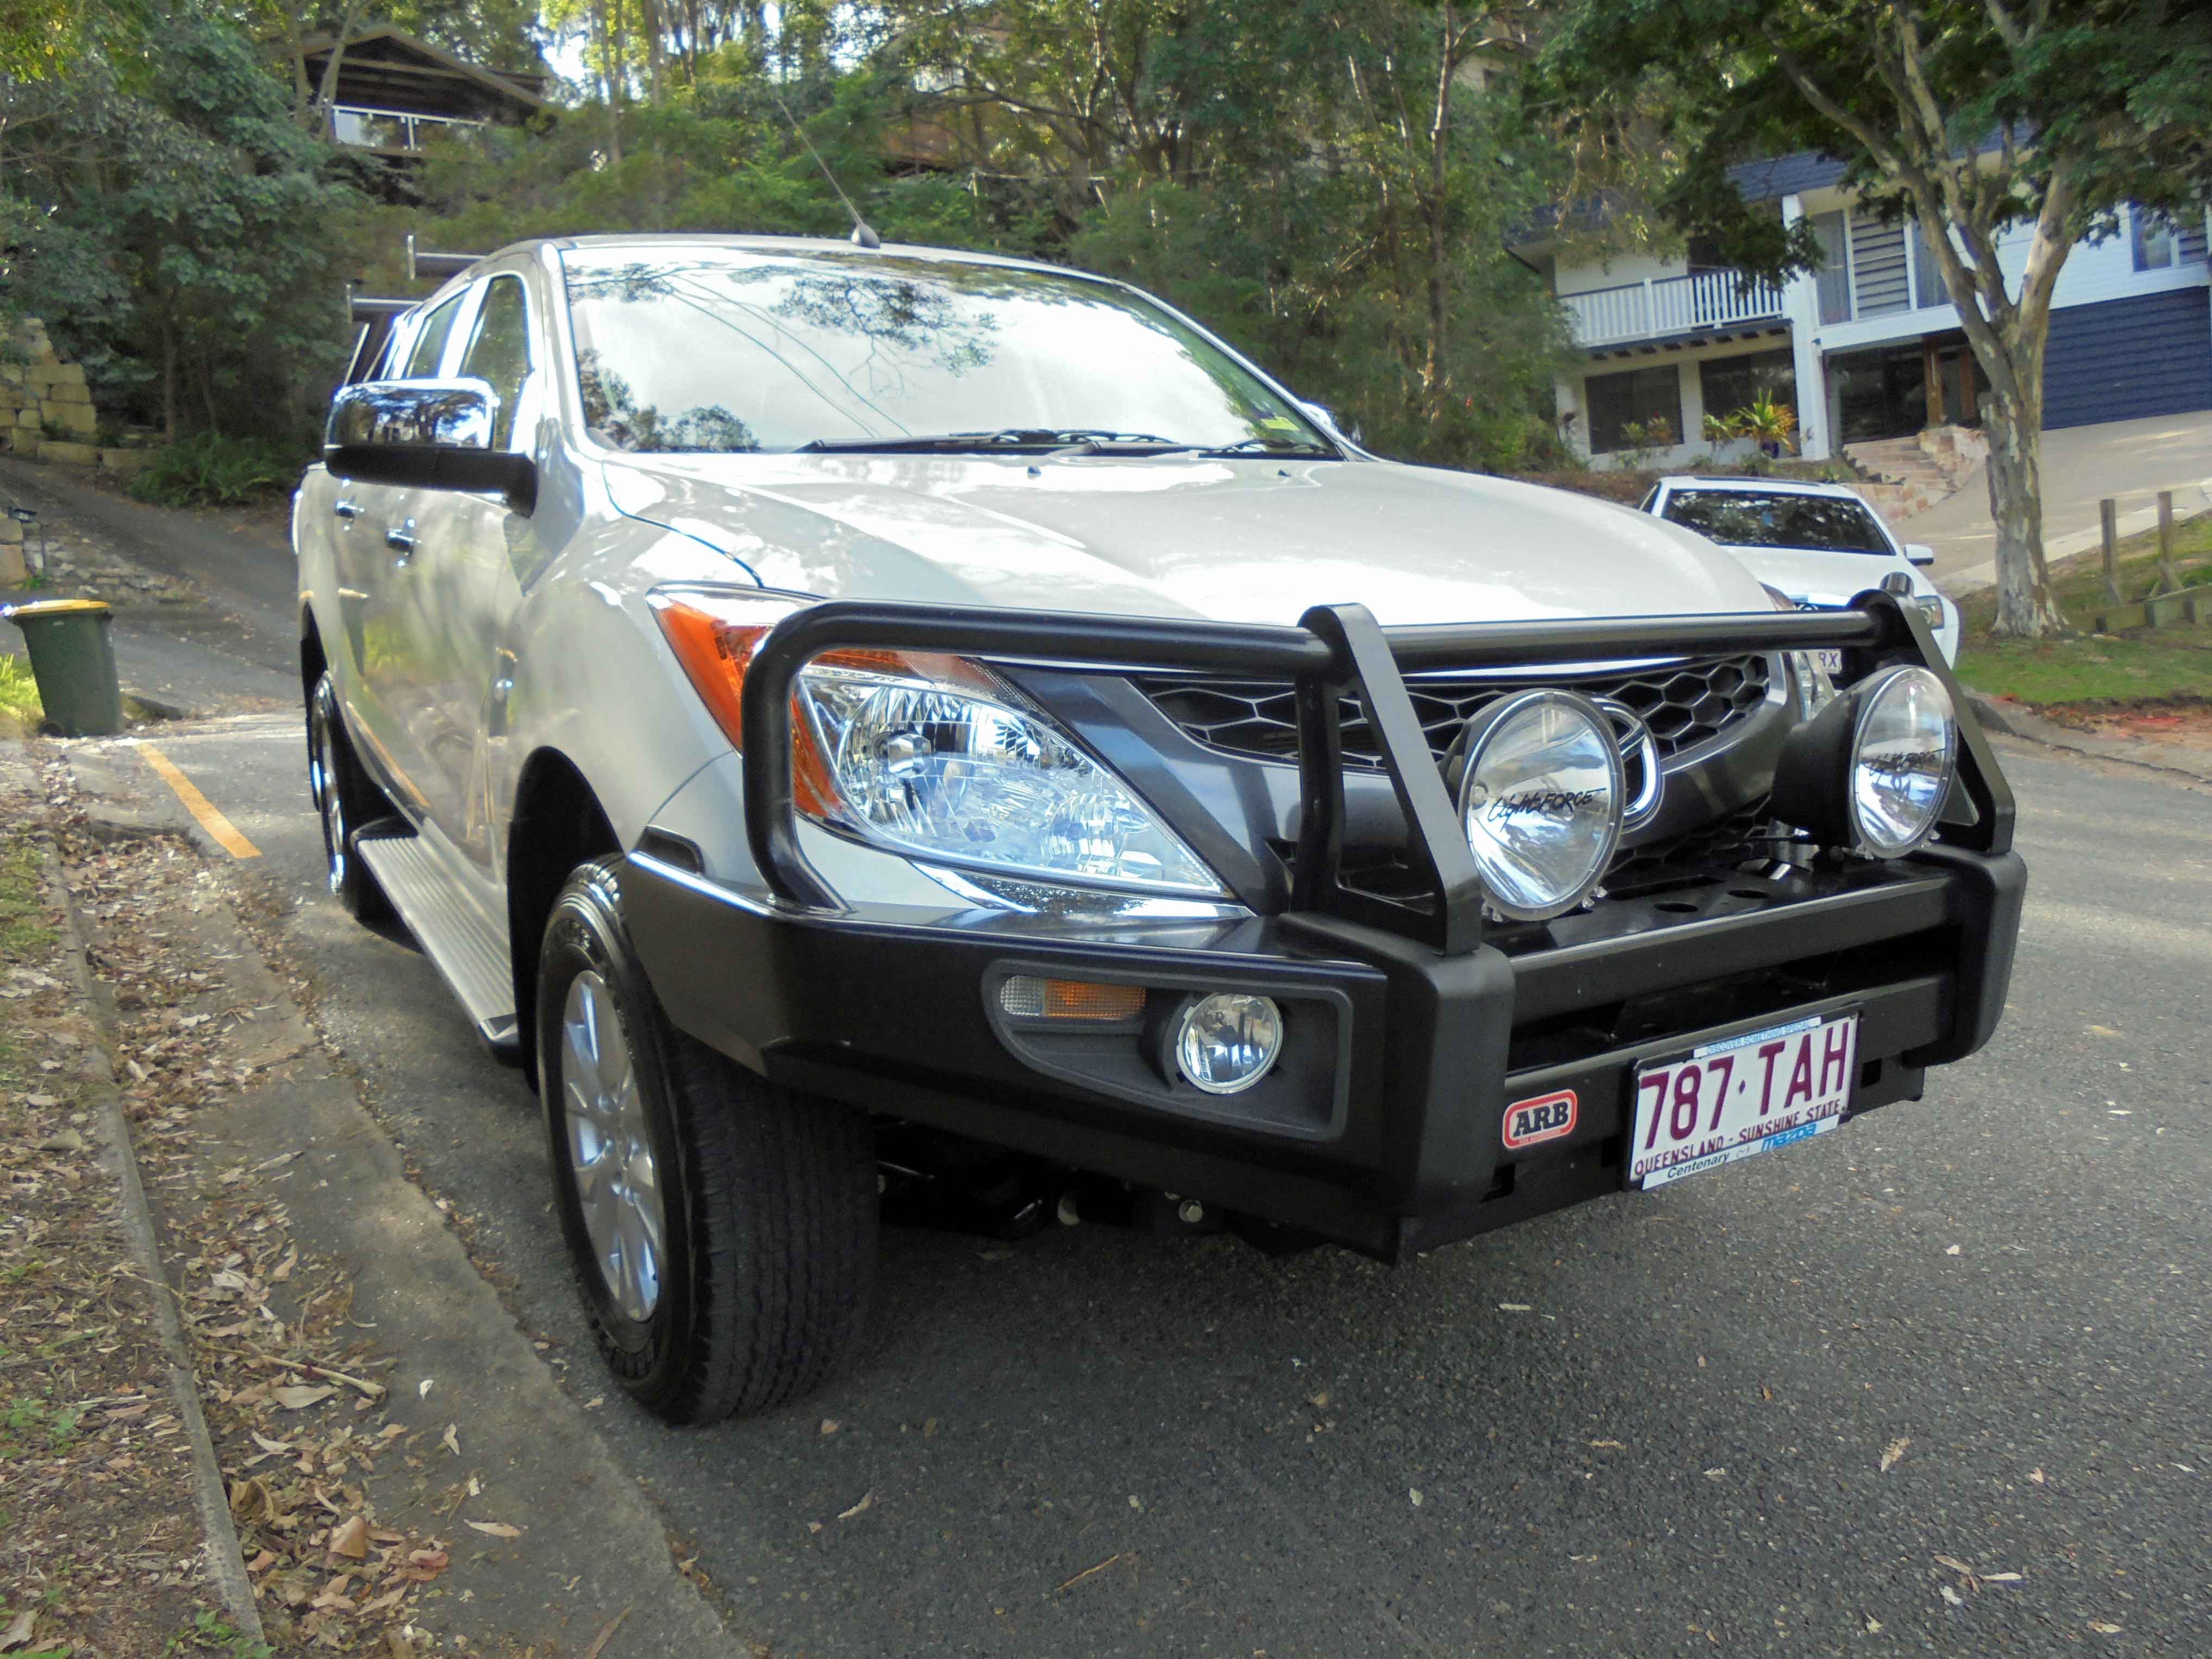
(1389, 1137)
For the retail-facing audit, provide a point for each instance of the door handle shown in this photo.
(400, 539)
(346, 508)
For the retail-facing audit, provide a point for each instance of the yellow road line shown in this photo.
(221, 828)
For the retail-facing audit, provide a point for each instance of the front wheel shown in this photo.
(345, 799)
(722, 1230)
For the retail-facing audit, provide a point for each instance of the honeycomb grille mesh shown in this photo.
(1683, 704)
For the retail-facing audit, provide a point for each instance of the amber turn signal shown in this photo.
(1025, 996)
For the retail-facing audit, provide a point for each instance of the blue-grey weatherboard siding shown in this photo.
(2121, 360)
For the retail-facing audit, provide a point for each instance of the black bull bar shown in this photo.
(1336, 649)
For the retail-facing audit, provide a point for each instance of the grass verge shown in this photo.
(20, 709)
(2143, 664)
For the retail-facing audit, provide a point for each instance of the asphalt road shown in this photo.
(1652, 1425)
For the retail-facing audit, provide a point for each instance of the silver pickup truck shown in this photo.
(883, 731)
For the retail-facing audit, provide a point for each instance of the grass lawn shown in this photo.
(18, 696)
(2166, 664)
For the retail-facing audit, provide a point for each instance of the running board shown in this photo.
(466, 947)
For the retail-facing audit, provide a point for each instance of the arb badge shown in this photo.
(1546, 1117)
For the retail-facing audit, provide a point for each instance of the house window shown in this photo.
(1928, 285)
(1833, 278)
(1648, 398)
(2152, 235)
(1728, 384)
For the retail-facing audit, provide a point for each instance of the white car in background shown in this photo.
(1819, 543)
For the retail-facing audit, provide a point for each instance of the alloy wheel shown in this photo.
(611, 1158)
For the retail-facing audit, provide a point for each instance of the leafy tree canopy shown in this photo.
(1976, 117)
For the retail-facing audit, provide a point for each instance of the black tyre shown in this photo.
(723, 1231)
(345, 800)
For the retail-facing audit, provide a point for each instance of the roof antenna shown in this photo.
(863, 233)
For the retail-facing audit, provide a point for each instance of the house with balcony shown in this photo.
(1867, 347)
(394, 93)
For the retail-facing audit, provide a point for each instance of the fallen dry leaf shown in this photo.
(299, 1396)
(18, 1634)
(606, 1635)
(867, 1501)
(267, 1444)
(2038, 1476)
(451, 1440)
(1611, 1445)
(2104, 1629)
(2002, 1578)
(1414, 1492)
(495, 1529)
(351, 1539)
(830, 1425)
(1892, 1452)
(1873, 1625)
(1952, 1597)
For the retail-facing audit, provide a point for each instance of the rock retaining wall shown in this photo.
(46, 408)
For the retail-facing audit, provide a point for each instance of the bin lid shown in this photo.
(37, 608)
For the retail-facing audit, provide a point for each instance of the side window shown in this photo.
(430, 344)
(500, 352)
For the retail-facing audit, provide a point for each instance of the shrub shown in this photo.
(211, 469)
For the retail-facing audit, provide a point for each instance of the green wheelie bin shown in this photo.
(73, 659)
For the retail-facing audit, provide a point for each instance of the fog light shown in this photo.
(1226, 1043)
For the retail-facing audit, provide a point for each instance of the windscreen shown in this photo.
(1758, 517)
(729, 349)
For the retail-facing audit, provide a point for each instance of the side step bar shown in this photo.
(468, 947)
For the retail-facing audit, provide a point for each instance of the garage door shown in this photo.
(2125, 359)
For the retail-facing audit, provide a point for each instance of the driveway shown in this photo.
(2128, 461)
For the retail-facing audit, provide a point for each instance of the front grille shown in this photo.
(1684, 704)
(1693, 855)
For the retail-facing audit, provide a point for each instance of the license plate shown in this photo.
(1741, 1096)
(1830, 661)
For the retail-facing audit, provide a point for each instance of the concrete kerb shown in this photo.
(2016, 720)
(226, 1562)
(1975, 578)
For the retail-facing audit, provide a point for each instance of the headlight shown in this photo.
(934, 757)
(1871, 771)
(1540, 801)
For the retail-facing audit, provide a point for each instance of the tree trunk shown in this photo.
(1432, 365)
(168, 382)
(2025, 608)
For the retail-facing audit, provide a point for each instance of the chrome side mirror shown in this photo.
(1920, 553)
(1329, 421)
(425, 434)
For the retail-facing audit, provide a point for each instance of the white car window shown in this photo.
(1779, 518)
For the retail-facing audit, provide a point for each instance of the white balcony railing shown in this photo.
(387, 128)
(1673, 305)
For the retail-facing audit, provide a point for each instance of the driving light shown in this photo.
(1227, 1042)
(1870, 772)
(1540, 801)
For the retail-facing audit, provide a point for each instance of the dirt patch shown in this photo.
(100, 1549)
(2183, 722)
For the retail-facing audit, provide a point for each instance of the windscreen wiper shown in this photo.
(1090, 441)
(1272, 448)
